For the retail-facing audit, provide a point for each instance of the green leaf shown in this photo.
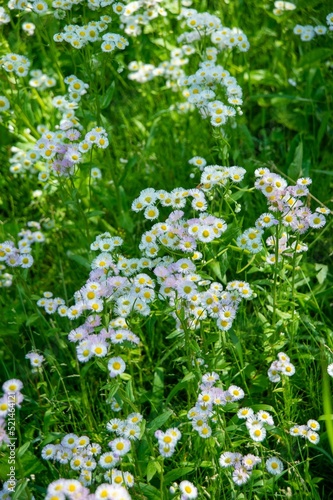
(175, 474)
(264, 407)
(32, 319)
(94, 213)
(21, 451)
(31, 464)
(107, 97)
(101, 365)
(323, 126)
(159, 421)
(79, 260)
(20, 490)
(322, 272)
(113, 389)
(181, 385)
(151, 470)
(149, 491)
(295, 168)
(314, 56)
(215, 268)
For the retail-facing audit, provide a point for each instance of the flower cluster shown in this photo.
(130, 286)
(63, 489)
(209, 398)
(167, 441)
(207, 25)
(6, 279)
(41, 81)
(281, 366)
(24, 160)
(50, 303)
(20, 256)
(308, 32)
(128, 429)
(84, 457)
(257, 423)
(79, 36)
(202, 88)
(12, 397)
(280, 7)
(308, 431)
(59, 150)
(201, 91)
(288, 210)
(242, 465)
(15, 63)
(135, 15)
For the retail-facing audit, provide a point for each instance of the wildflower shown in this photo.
(240, 476)
(83, 351)
(205, 234)
(151, 212)
(227, 459)
(129, 479)
(94, 449)
(39, 6)
(95, 172)
(26, 261)
(69, 441)
(132, 432)
(108, 460)
(120, 446)
(198, 161)
(116, 366)
(49, 452)
(166, 450)
(204, 431)
(249, 461)
(89, 464)
(257, 433)
(313, 437)
(35, 359)
(117, 477)
(112, 491)
(12, 385)
(236, 392)
(287, 369)
(316, 220)
(274, 466)
(295, 430)
(4, 103)
(313, 425)
(115, 425)
(188, 490)
(266, 220)
(265, 417)
(330, 369)
(82, 441)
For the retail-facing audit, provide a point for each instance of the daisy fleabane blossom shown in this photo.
(282, 366)
(287, 211)
(241, 465)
